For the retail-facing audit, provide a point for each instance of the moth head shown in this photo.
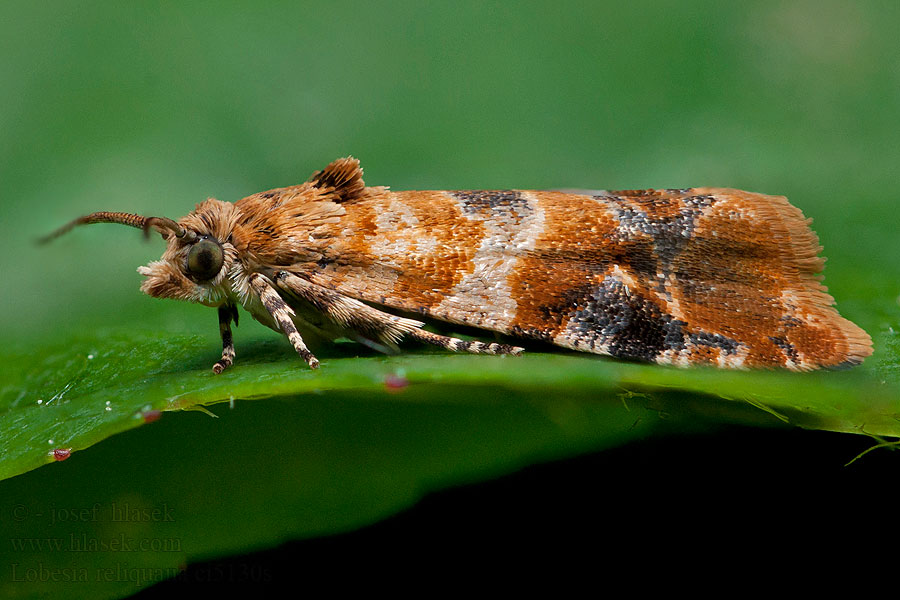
(195, 262)
(190, 269)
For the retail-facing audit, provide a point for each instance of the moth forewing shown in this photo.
(701, 276)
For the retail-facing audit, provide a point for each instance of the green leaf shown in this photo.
(71, 398)
(301, 453)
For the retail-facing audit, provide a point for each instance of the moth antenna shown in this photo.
(161, 224)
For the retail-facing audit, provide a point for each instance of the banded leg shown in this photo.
(458, 345)
(348, 312)
(282, 313)
(370, 321)
(227, 312)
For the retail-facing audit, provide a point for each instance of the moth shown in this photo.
(700, 276)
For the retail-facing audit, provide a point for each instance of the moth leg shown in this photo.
(348, 312)
(282, 313)
(458, 345)
(370, 321)
(227, 313)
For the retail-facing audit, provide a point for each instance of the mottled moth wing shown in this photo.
(694, 276)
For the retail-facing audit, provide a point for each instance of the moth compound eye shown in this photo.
(205, 259)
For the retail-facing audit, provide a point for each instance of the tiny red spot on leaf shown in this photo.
(151, 415)
(394, 382)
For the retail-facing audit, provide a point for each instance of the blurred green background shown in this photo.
(151, 107)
